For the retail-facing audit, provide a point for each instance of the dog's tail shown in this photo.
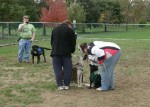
(46, 48)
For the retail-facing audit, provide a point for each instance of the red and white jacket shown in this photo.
(98, 51)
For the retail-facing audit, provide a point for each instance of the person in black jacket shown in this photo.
(63, 42)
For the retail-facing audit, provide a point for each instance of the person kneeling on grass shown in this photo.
(106, 55)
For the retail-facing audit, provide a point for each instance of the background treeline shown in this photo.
(89, 11)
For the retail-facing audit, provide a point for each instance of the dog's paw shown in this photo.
(87, 85)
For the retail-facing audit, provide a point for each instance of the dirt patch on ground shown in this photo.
(13, 68)
(132, 88)
(130, 91)
(2, 59)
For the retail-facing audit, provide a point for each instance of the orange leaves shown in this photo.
(56, 11)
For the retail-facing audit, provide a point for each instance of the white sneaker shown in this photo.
(99, 89)
(60, 88)
(66, 87)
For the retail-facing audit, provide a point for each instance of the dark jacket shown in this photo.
(63, 41)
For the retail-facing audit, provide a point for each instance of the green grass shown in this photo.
(118, 32)
(22, 84)
(120, 35)
(25, 95)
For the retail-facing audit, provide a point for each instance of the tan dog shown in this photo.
(77, 74)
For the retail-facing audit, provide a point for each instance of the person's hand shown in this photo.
(23, 25)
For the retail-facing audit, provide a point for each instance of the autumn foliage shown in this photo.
(56, 11)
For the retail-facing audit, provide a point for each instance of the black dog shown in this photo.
(94, 77)
(38, 51)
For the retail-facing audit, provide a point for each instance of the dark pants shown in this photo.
(62, 63)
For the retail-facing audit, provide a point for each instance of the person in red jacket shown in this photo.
(106, 55)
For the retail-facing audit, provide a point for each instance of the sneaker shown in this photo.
(99, 89)
(66, 87)
(60, 88)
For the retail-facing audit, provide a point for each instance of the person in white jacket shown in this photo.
(106, 56)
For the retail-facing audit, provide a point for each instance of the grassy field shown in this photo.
(33, 85)
(113, 31)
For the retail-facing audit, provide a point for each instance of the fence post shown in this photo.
(44, 30)
(2, 30)
(8, 26)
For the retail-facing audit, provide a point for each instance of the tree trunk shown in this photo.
(105, 28)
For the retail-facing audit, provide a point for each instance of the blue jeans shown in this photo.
(107, 71)
(65, 63)
(24, 45)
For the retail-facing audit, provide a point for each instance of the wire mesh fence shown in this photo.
(9, 30)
